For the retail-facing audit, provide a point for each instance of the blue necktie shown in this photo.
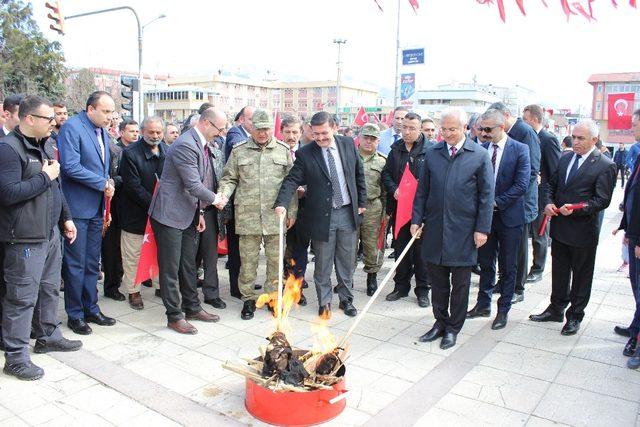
(396, 137)
(574, 167)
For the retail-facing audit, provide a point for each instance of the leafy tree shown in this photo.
(29, 63)
(80, 85)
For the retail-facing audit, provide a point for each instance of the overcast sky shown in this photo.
(294, 38)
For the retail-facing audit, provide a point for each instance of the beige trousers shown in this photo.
(130, 246)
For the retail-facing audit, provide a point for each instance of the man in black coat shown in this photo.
(336, 197)
(620, 159)
(550, 152)
(411, 149)
(582, 176)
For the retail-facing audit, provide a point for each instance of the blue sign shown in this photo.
(413, 56)
(407, 88)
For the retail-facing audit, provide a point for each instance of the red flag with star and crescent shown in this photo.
(361, 117)
(406, 193)
(620, 111)
(148, 262)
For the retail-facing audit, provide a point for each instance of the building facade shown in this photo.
(608, 84)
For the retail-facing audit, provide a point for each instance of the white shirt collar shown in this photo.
(6, 131)
(458, 145)
(203, 141)
(502, 142)
(587, 154)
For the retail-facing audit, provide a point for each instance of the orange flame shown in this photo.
(290, 298)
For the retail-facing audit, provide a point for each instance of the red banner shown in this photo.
(620, 110)
(276, 127)
(406, 193)
(361, 117)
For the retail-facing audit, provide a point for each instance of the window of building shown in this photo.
(317, 92)
(600, 87)
(302, 93)
(598, 105)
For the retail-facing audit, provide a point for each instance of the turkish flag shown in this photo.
(376, 119)
(361, 117)
(276, 127)
(389, 119)
(406, 194)
(414, 4)
(620, 110)
(148, 261)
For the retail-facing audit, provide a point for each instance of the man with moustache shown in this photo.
(62, 115)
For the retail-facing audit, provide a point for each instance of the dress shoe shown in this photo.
(475, 269)
(305, 285)
(571, 327)
(216, 303)
(348, 308)
(516, 298)
(158, 293)
(634, 361)
(432, 334)
(497, 289)
(630, 347)
(547, 316)
(448, 340)
(23, 371)
(395, 296)
(325, 311)
(62, 344)
(257, 287)
(372, 283)
(392, 255)
(182, 327)
(248, 309)
(423, 300)
(135, 301)
(79, 326)
(534, 277)
(478, 312)
(115, 295)
(303, 300)
(100, 319)
(199, 283)
(623, 332)
(203, 316)
(500, 321)
(147, 283)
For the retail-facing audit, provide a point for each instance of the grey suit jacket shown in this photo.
(176, 201)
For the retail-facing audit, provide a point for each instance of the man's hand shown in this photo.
(221, 202)
(479, 239)
(201, 224)
(361, 211)
(395, 194)
(51, 168)
(636, 251)
(290, 222)
(301, 192)
(565, 211)
(70, 231)
(551, 210)
(416, 230)
(615, 231)
(107, 223)
(110, 188)
(281, 211)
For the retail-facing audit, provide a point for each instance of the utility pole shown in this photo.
(397, 83)
(339, 42)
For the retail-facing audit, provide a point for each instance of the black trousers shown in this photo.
(575, 265)
(449, 295)
(233, 258)
(622, 169)
(540, 244)
(112, 259)
(177, 263)
(411, 264)
(523, 259)
(208, 255)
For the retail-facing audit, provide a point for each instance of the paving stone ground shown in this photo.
(140, 373)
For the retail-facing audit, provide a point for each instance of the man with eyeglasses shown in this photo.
(33, 214)
(177, 213)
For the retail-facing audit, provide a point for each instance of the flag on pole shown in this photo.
(276, 126)
(389, 118)
(361, 117)
(620, 111)
(148, 262)
(406, 193)
(414, 4)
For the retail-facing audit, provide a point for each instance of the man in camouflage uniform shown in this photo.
(255, 171)
(373, 163)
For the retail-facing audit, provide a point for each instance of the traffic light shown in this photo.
(130, 84)
(56, 17)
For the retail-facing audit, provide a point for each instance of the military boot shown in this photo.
(372, 283)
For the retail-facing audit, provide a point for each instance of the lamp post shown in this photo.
(339, 42)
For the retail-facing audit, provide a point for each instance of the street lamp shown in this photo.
(140, 76)
(339, 42)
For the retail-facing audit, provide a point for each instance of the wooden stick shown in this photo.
(280, 272)
(377, 293)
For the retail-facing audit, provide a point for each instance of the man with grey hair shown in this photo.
(583, 176)
(520, 131)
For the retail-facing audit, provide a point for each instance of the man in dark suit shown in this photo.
(511, 169)
(238, 133)
(336, 197)
(620, 159)
(550, 152)
(84, 160)
(177, 214)
(454, 226)
(582, 176)
(522, 132)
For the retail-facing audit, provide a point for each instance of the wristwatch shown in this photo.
(202, 212)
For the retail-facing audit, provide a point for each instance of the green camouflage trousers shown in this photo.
(249, 256)
(368, 235)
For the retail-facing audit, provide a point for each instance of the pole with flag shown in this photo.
(361, 117)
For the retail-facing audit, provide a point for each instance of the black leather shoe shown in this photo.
(517, 298)
(79, 326)
(257, 286)
(630, 347)
(100, 319)
(475, 269)
(395, 296)
(392, 255)
(158, 293)
(547, 316)
(448, 340)
(303, 300)
(372, 283)
(423, 300)
(59, 345)
(147, 284)
(534, 277)
(500, 321)
(115, 295)
(324, 311)
(248, 309)
(305, 285)
(432, 334)
(623, 332)
(23, 371)
(216, 303)
(571, 327)
(348, 308)
(478, 312)
(497, 289)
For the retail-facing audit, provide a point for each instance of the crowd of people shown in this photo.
(484, 187)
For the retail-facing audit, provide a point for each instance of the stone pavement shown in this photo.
(140, 373)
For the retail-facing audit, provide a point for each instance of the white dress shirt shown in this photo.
(580, 162)
(346, 199)
(500, 147)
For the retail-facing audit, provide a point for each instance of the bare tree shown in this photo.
(81, 84)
